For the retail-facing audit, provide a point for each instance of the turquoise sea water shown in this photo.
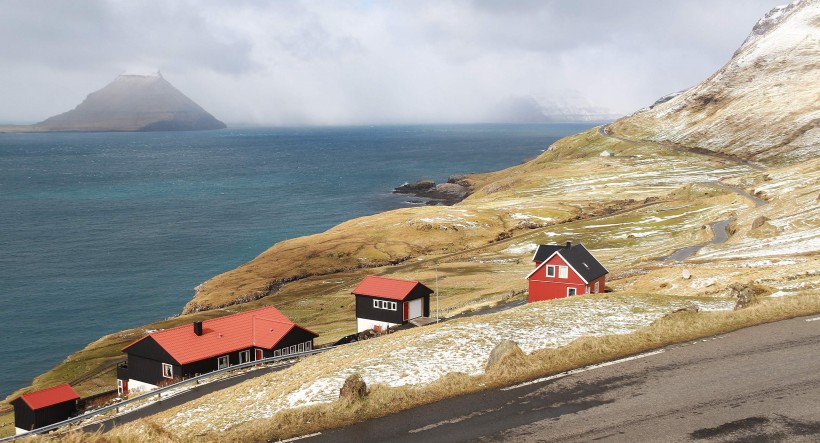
(103, 232)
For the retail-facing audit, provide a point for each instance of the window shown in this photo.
(222, 362)
(244, 357)
(571, 292)
(277, 353)
(596, 288)
(119, 387)
(384, 304)
(293, 349)
(301, 347)
(550, 271)
(563, 272)
(308, 345)
(167, 370)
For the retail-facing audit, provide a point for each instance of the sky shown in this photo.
(353, 62)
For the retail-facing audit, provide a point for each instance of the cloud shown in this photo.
(332, 62)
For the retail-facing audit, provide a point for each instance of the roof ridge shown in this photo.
(185, 325)
(289, 322)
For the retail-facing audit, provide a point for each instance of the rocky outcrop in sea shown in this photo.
(456, 189)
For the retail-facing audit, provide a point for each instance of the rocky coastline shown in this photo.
(456, 189)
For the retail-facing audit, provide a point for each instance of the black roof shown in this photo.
(577, 256)
(544, 252)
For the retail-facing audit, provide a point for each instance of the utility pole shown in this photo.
(436, 292)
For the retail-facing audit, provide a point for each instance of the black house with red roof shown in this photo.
(202, 347)
(42, 408)
(383, 302)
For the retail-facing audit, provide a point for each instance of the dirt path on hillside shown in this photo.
(719, 228)
(606, 132)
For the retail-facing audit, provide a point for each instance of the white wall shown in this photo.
(363, 324)
(139, 386)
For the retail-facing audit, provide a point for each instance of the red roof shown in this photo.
(383, 287)
(50, 396)
(262, 328)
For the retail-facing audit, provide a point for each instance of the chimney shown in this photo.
(569, 245)
(198, 327)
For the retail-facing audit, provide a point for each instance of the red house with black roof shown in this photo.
(564, 271)
(42, 408)
(202, 347)
(383, 302)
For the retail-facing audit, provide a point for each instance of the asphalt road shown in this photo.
(759, 384)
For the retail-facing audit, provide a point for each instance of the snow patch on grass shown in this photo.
(427, 354)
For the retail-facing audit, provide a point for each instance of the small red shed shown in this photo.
(564, 271)
(42, 408)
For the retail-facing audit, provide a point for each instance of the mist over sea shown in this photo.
(104, 232)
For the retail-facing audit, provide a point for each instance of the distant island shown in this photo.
(130, 103)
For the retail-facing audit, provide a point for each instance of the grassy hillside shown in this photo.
(641, 203)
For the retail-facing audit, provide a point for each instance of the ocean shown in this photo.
(108, 231)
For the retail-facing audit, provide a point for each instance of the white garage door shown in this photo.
(416, 308)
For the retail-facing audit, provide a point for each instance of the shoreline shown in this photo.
(509, 133)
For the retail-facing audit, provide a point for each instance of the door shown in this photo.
(416, 308)
(406, 311)
(258, 354)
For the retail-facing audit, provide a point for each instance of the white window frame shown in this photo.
(563, 272)
(550, 270)
(167, 370)
(119, 387)
(308, 345)
(292, 349)
(244, 356)
(277, 353)
(573, 290)
(300, 347)
(596, 288)
(223, 361)
(384, 304)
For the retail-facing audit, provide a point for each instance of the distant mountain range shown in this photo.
(131, 103)
(567, 106)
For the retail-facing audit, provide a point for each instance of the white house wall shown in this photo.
(363, 324)
(139, 386)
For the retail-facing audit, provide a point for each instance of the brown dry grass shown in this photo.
(382, 400)
(476, 268)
